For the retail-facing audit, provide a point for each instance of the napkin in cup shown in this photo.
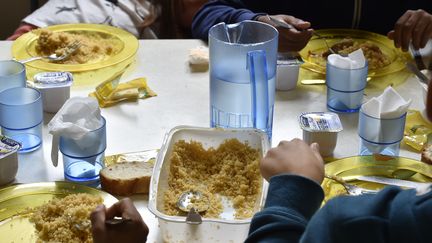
(354, 60)
(388, 105)
(76, 118)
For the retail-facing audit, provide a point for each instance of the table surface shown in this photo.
(182, 99)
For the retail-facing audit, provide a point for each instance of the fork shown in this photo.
(413, 68)
(417, 58)
(69, 50)
(285, 25)
(349, 188)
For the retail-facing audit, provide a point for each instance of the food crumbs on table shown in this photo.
(230, 170)
(66, 219)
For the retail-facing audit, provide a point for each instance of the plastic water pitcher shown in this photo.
(242, 75)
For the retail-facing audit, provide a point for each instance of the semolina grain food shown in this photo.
(66, 219)
(94, 47)
(230, 170)
(374, 55)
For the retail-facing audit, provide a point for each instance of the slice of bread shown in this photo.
(126, 178)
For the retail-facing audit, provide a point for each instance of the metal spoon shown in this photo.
(86, 223)
(193, 199)
(285, 25)
(193, 202)
(70, 49)
(349, 188)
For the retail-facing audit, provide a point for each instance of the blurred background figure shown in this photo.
(146, 19)
(404, 21)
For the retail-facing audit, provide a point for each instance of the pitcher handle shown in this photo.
(257, 65)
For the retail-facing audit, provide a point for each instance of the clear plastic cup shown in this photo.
(21, 117)
(84, 158)
(345, 88)
(12, 75)
(380, 136)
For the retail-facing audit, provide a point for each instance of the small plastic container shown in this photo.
(288, 67)
(321, 128)
(55, 89)
(8, 159)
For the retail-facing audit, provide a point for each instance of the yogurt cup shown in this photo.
(8, 159)
(288, 66)
(321, 128)
(55, 89)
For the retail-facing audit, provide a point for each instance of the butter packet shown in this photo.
(112, 92)
(142, 156)
(418, 132)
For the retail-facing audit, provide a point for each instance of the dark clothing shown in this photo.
(393, 215)
(372, 15)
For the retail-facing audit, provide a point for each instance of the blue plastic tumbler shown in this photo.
(345, 88)
(83, 158)
(21, 117)
(12, 75)
(379, 135)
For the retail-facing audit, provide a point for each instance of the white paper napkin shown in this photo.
(77, 117)
(354, 60)
(386, 106)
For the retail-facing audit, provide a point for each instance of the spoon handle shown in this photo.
(117, 221)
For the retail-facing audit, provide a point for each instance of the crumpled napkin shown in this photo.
(388, 105)
(354, 60)
(76, 118)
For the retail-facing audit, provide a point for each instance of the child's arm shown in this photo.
(291, 202)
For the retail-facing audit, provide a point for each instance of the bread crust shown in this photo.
(125, 185)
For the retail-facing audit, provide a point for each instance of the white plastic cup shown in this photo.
(55, 89)
(321, 128)
(287, 76)
(288, 67)
(54, 98)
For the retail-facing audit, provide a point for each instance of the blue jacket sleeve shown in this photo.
(393, 215)
(291, 201)
(218, 11)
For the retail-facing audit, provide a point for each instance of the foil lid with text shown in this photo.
(320, 122)
(53, 79)
(8, 146)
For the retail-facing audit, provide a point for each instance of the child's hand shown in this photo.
(294, 157)
(134, 230)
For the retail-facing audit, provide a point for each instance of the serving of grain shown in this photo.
(230, 170)
(66, 219)
(94, 46)
(374, 55)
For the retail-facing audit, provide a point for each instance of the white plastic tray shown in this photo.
(174, 228)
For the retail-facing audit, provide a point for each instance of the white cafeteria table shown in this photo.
(183, 99)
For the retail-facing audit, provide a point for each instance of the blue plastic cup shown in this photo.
(84, 158)
(345, 88)
(380, 136)
(21, 117)
(12, 75)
